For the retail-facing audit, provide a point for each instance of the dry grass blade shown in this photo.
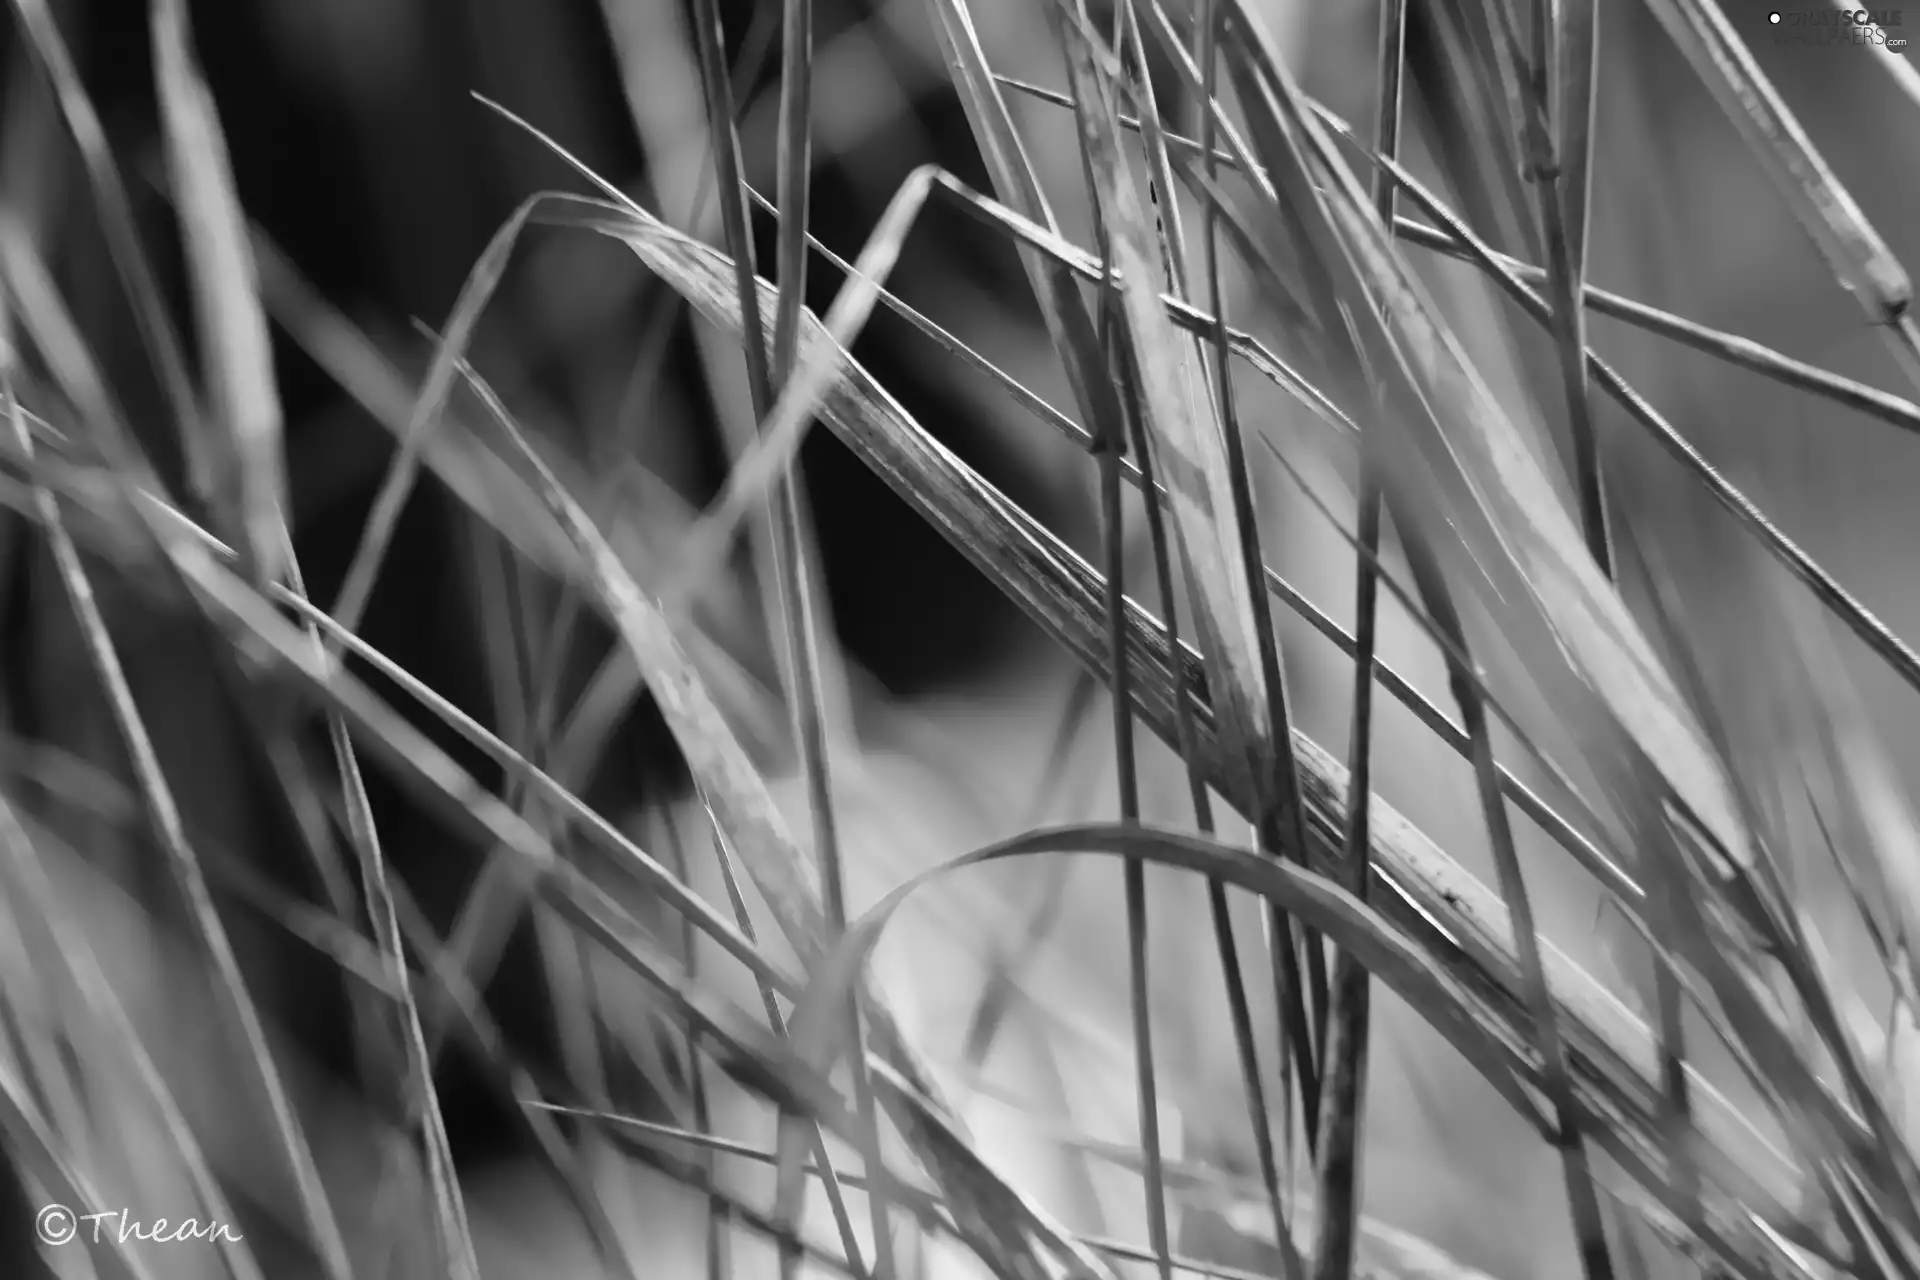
(1199, 478)
(1605, 869)
(249, 477)
(1854, 250)
(1125, 245)
(1568, 30)
(1348, 1043)
(1226, 944)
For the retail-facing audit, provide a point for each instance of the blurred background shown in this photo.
(378, 179)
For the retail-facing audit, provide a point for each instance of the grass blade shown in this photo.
(1348, 1042)
(249, 477)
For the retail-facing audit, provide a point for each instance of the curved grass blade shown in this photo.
(1389, 954)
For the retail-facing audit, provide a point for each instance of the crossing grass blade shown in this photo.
(1812, 1171)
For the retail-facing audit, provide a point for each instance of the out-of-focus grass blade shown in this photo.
(1854, 250)
(489, 486)
(250, 480)
(1880, 848)
(250, 493)
(130, 259)
(31, 1140)
(242, 1019)
(50, 327)
(1904, 74)
(30, 888)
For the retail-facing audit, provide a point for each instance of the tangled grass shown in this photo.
(1736, 1108)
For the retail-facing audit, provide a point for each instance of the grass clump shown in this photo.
(1722, 1094)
